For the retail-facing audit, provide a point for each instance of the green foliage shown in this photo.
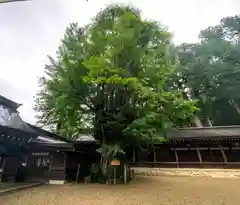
(210, 70)
(113, 78)
(111, 151)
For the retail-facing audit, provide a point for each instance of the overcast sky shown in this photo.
(29, 31)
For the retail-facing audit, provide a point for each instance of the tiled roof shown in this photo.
(205, 132)
(9, 103)
(86, 138)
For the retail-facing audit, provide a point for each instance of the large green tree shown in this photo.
(210, 69)
(113, 78)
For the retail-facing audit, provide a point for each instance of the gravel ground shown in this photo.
(165, 190)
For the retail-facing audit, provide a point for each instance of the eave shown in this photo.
(218, 132)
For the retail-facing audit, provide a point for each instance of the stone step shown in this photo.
(217, 173)
(16, 187)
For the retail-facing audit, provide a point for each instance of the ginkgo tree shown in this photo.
(111, 78)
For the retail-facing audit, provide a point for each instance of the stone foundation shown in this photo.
(215, 173)
(57, 182)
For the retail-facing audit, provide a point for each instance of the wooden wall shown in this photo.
(203, 155)
(46, 165)
(60, 166)
(9, 167)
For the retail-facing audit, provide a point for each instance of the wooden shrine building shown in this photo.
(208, 147)
(28, 152)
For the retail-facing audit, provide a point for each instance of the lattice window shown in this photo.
(41, 162)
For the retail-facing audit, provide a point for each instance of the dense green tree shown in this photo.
(112, 78)
(210, 70)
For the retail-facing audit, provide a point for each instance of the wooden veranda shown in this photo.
(209, 147)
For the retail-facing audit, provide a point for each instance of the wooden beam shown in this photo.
(133, 155)
(200, 148)
(50, 163)
(176, 157)
(154, 154)
(235, 148)
(199, 155)
(223, 154)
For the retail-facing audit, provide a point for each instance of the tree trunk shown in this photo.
(197, 122)
(235, 105)
(104, 165)
(104, 158)
(209, 122)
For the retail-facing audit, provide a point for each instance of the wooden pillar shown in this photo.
(65, 166)
(27, 164)
(199, 155)
(26, 159)
(50, 162)
(223, 154)
(78, 171)
(133, 155)
(125, 174)
(176, 157)
(154, 154)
